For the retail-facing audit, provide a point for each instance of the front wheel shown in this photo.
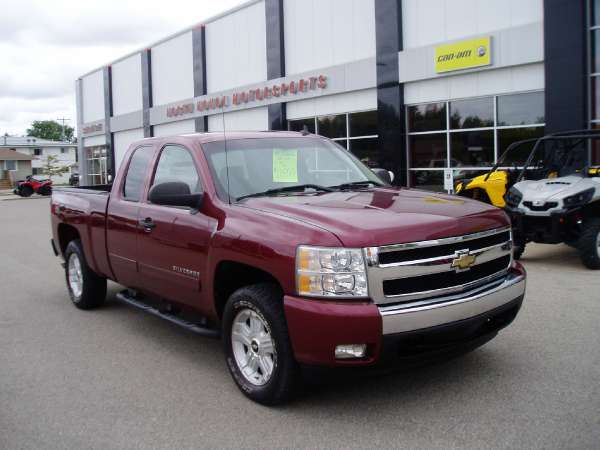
(86, 289)
(25, 191)
(589, 244)
(257, 345)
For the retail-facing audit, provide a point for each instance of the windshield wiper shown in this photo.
(298, 187)
(364, 183)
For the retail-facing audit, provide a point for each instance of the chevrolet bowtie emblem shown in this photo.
(463, 260)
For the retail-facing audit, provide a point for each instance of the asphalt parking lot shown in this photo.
(119, 378)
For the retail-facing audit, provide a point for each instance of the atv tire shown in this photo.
(45, 191)
(26, 191)
(589, 244)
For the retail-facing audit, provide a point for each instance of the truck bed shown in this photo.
(84, 210)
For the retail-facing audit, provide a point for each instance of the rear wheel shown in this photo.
(45, 190)
(589, 244)
(257, 346)
(86, 289)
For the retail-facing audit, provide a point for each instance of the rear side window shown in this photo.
(136, 173)
(176, 164)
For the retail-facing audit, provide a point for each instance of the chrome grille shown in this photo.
(428, 269)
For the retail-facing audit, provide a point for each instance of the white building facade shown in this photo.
(65, 154)
(415, 86)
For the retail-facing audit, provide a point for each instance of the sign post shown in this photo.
(449, 181)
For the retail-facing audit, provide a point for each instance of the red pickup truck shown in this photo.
(292, 251)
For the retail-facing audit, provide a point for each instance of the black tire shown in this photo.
(26, 191)
(93, 291)
(589, 242)
(45, 190)
(266, 301)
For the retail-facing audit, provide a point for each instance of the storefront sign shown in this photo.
(463, 55)
(249, 96)
(93, 128)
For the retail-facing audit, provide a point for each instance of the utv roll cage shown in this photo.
(580, 136)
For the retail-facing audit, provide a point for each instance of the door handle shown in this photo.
(148, 224)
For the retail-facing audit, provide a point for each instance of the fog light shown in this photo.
(350, 351)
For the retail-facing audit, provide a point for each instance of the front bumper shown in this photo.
(553, 228)
(453, 323)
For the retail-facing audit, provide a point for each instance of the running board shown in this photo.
(194, 328)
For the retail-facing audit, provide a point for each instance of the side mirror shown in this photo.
(385, 175)
(174, 193)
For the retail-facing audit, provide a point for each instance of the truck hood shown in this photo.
(551, 188)
(384, 216)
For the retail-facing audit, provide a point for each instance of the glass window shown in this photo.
(474, 113)
(595, 43)
(596, 12)
(332, 126)
(298, 125)
(427, 150)
(431, 180)
(595, 94)
(176, 164)
(10, 165)
(367, 150)
(473, 148)
(35, 171)
(517, 155)
(521, 109)
(596, 148)
(429, 117)
(363, 123)
(37, 151)
(256, 165)
(136, 173)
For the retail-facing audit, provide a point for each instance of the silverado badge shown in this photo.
(463, 260)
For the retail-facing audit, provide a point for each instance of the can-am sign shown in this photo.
(253, 95)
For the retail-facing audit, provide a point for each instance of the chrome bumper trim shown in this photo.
(401, 318)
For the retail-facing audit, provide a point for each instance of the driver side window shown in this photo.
(176, 164)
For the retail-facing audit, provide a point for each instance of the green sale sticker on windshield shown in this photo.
(285, 166)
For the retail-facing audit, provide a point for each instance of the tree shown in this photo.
(50, 129)
(52, 168)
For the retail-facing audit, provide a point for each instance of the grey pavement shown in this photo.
(118, 378)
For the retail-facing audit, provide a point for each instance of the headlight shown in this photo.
(513, 197)
(326, 272)
(579, 199)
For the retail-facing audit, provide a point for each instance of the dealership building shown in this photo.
(415, 86)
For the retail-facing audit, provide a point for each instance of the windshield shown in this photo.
(264, 164)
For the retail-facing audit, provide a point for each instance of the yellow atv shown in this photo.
(489, 188)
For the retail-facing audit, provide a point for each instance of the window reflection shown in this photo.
(428, 150)
(298, 125)
(332, 126)
(519, 154)
(367, 150)
(473, 148)
(474, 113)
(429, 117)
(431, 180)
(521, 109)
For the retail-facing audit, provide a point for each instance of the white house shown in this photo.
(40, 149)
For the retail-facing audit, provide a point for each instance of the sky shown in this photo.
(45, 45)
